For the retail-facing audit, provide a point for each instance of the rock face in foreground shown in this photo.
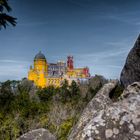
(104, 120)
(131, 70)
(38, 134)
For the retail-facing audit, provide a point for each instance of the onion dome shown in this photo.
(40, 56)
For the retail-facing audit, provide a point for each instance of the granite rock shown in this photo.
(37, 134)
(103, 119)
(131, 70)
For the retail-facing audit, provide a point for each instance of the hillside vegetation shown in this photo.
(23, 107)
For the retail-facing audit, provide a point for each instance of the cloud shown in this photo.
(11, 61)
(98, 56)
(126, 17)
(108, 63)
(13, 69)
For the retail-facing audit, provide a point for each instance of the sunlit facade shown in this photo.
(45, 74)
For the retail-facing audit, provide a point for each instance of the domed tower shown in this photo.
(41, 68)
(39, 73)
(40, 62)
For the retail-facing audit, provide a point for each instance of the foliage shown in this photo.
(46, 94)
(27, 107)
(69, 93)
(6, 97)
(74, 90)
(92, 92)
(64, 91)
(64, 128)
(4, 18)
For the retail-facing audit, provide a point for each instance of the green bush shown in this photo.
(64, 128)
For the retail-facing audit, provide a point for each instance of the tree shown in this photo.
(6, 97)
(64, 91)
(4, 18)
(46, 94)
(74, 90)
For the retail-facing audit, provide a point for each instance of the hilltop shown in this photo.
(25, 107)
(98, 109)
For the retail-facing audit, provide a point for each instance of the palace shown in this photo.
(45, 74)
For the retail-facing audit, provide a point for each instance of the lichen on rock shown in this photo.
(37, 134)
(104, 119)
(131, 69)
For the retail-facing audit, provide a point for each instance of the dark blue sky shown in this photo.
(98, 33)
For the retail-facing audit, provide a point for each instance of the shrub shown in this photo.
(64, 128)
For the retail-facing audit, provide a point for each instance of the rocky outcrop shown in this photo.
(38, 134)
(97, 104)
(104, 120)
(131, 70)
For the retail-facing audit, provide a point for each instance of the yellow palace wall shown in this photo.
(39, 73)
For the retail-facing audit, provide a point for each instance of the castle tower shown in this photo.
(40, 62)
(40, 71)
(70, 62)
(86, 72)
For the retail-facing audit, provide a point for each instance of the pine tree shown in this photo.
(5, 18)
(74, 90)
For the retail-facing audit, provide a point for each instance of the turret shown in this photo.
(70, 62)
(39, 72)
(40, 62)
(86, 72)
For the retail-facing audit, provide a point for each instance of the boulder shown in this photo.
(38, 134)
(131, 70)
(104, 120)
